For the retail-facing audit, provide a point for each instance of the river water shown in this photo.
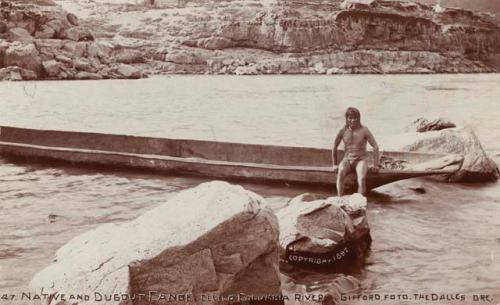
(444, 241)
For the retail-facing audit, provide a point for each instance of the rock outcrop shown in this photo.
(254, 37)
(23, 55)
(354, 37)
(213, 240)
(260, 37)
(329, 234)
(400, 30)
(476, 167)
(423, 125)
(45, 42)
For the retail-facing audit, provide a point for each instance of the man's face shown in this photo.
(352, 121)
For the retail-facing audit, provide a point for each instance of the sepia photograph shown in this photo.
(249, 152)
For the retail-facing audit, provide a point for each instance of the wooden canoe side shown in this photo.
(153, 154)
(186, 148)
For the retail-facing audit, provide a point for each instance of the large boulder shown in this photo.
(72, 18)
(328, 233)
(45, 32)
(129, 56)
(84, 75)
(11, 73)
(24, 55)
(51, 68)
(77, 33)
(216, 239)
(76, 49)
(82, 64)
(477, 166)
(127, 71)
(57, 25)
(101, 50)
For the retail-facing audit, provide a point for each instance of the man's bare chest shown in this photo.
(354, 137)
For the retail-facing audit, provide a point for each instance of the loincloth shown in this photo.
(353, 161)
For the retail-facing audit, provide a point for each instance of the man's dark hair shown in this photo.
(351, 111)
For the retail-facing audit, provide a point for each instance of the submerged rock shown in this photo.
(214, 239)
(54, 217)
(329, 233)
(326, 292)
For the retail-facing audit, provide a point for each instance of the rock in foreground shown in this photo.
(330, 233)
(215, 239)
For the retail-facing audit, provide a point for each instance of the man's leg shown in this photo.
(361, 172)
(344, 167)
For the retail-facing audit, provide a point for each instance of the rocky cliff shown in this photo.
(254, 37)
(39, 40)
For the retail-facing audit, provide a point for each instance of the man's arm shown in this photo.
(336, 144)
(373, 143)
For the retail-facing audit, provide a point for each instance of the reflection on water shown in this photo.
(431, 88)
(445, 239)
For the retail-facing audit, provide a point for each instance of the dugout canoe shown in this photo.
(219, 160)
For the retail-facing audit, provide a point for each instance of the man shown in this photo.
(354, 135)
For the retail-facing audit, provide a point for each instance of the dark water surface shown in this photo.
(443, 241)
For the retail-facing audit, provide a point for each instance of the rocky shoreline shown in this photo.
(44, 40)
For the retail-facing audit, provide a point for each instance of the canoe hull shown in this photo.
(183, 157)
